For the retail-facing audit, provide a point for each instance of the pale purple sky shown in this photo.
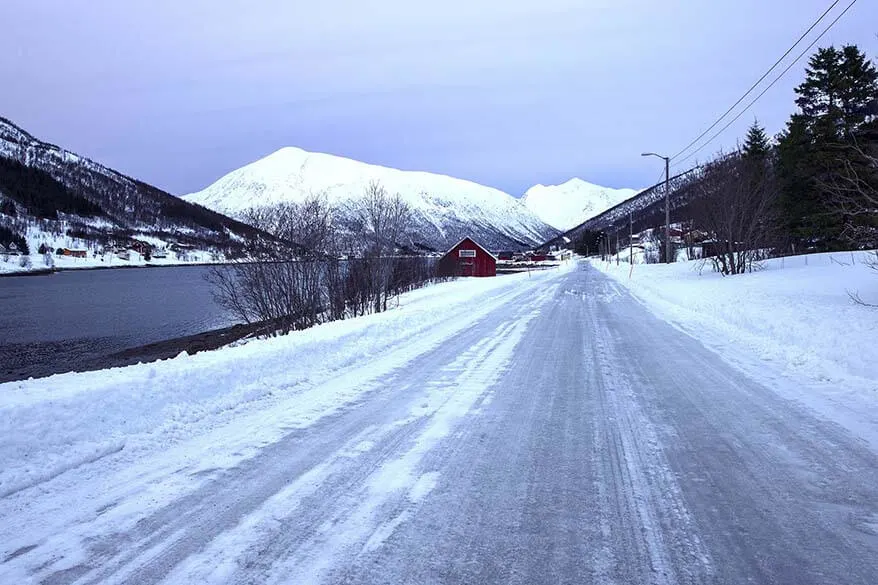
(504, 92)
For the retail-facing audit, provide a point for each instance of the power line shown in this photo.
(760, 80)
(770, 85)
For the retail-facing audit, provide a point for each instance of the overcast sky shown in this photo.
(504, 92)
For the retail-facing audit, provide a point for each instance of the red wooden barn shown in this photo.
(467, 258)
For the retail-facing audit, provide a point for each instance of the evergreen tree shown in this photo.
(756, 145)
(839, 85)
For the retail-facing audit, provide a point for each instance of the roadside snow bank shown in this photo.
(796, 310)
(51, 425)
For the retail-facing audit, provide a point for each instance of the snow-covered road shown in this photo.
(556, 432)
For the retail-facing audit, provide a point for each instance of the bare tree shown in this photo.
(287, 293)
(281, 291)
(736, 205)
(853, 190)
(656, 250)
(381, 222)
(308, 224)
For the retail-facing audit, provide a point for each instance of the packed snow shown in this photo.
(445, 208)
(567, 205)
(795, 315)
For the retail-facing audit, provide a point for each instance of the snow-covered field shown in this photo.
(795, 317)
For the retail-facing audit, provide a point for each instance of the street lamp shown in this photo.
(667, 203)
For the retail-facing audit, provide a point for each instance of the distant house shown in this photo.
(12, 249)
(2, 249)
(467, 258)
(72, 253)
(141, 248)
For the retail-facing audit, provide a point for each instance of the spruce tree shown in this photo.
(839, 84)
(756, 145)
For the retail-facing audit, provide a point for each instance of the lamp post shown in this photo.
(667, 203)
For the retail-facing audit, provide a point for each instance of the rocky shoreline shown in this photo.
(151, 352)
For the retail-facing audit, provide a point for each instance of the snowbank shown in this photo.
(51, 425)
(795, 314)
(796, 309)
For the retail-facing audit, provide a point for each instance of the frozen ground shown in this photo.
(538, 428)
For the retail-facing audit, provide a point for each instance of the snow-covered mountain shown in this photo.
(567, 205)
(445, 209)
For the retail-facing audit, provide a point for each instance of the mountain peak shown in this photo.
(445, 208)
(569, 204)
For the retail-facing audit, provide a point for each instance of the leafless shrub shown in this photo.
(288, 293)
(853, 191)
(736, 206)
(308, 224)
(381, 222)
(279, 290)
(853, 194)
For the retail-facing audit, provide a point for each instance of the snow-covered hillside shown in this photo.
(567, 205)
(445, 209)
(53, 197)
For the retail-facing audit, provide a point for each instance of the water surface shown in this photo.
(67, 320)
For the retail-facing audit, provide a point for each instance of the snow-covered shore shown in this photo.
(36, 264)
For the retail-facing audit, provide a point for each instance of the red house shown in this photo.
(467, 258)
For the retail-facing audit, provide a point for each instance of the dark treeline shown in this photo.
(7, 237)
(813, 188)
(39, 193)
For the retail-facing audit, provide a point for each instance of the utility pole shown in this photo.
(631, 238)
(617, 247)
(667, 160)
(668, 210)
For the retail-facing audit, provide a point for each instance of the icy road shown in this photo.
(558, 433)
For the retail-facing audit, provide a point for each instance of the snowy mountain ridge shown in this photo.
(50, 195)
(567, 205)
(445, 209)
